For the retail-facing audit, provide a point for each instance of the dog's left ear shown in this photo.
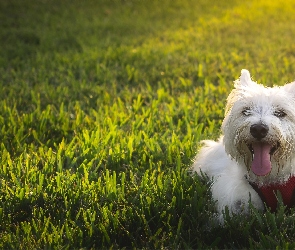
(290, 87)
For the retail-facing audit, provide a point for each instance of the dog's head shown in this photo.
(259, 126)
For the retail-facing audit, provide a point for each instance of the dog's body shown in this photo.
(257, 148)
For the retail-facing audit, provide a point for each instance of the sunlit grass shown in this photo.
(102, 107)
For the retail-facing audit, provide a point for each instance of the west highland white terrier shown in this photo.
(255, 156)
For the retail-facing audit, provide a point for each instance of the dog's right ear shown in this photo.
(245, 77)
(290, 87)
(244, 80)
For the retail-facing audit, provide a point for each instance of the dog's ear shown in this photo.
(244, 80)
(290, 87)
(245, 77)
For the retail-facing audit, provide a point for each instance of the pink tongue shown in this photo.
(261, 163)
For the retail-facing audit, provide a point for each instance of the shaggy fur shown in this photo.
(257, 145)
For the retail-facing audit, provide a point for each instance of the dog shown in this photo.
(255, 156)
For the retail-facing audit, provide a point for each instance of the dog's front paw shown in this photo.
(235, 194)
(239, 207)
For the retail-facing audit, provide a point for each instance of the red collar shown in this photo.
(268, 193)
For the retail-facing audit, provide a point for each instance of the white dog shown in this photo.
(255, 156)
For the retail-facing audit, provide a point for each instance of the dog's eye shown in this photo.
(279, 113)
(246, 112)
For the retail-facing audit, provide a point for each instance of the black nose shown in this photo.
(259, 131)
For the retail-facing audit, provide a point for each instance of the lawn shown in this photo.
(102, 108)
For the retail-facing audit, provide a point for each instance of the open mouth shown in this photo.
(272, 150)
(261, 157)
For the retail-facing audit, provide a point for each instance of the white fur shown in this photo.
(228, 161)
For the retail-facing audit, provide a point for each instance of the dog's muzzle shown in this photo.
(259, 130)
(261, 150)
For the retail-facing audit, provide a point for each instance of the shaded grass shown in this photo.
(102, 106)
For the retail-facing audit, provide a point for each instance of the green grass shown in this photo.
(102, 106)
